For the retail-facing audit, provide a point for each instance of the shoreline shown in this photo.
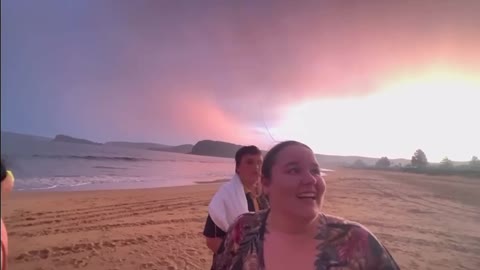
(116, 186)
(175, 189)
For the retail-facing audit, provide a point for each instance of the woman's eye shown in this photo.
(315, 171)
(293, 171)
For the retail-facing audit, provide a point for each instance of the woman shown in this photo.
(294, 233)
(7, 180)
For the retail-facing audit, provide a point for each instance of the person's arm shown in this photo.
(214, 243)
(213, 235)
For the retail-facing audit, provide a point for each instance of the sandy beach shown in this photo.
(427, 222)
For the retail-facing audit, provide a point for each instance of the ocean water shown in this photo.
(39, 164)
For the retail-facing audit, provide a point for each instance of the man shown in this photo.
(7, 181)
(238, 196)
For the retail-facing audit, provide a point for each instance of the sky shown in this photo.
(370, 78)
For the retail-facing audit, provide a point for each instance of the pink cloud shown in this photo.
(186, 72)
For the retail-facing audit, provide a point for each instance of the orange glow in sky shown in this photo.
(426, 110)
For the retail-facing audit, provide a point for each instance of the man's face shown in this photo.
(249, 169)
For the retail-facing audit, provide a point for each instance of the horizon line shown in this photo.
(110, 141)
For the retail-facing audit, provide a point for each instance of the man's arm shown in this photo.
(213, 235)
(214, 243)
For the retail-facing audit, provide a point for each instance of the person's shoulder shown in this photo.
(354, 234)
(248, 223)
(335, 221)
(250, 219)
(221, 190)
(332, 219)
(224, 185)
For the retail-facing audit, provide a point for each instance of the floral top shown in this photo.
(345, 246)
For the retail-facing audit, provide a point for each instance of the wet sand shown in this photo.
(427, 222)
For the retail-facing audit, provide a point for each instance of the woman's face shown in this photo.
(296, 187)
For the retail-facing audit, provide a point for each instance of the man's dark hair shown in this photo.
(243, 151)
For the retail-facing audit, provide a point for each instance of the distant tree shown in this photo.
(475, 162)
(359, 164)
(419, 159)
(446, 163)
(383, 162)
(408, 166)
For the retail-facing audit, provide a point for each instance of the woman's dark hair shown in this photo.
(3, 173)
(271, 157)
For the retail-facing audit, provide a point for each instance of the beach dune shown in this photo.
(426, 222)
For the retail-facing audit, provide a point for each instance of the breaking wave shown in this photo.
(130, 159)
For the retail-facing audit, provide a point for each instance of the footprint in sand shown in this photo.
(147, 265)
(44, 253)
(169, 262)
(77, 263)
(191, 251)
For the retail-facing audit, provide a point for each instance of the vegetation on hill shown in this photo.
(136, 145)
(69, 139)
(184, 148)
(419, 164)
(383, 162)
(215, 148)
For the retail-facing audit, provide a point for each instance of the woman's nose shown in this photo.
(309, 178)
